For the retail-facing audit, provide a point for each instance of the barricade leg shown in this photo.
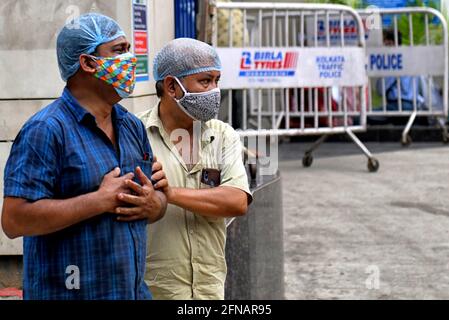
(442, 124)
(308, 157)
(406, 139)
(373, 163)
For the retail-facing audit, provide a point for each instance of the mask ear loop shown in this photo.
(95, 60)
(178, 100)
(181, 86)
(186, 93)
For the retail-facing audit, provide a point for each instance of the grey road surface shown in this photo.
(351, 234)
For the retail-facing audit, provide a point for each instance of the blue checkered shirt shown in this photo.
(60, 153)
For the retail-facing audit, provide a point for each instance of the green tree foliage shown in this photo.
(418, 21)
(419, 26)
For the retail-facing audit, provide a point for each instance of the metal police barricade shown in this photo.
(407, 65)
(289, 71)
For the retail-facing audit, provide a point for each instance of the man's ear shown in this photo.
(87, 64)
(169, 86)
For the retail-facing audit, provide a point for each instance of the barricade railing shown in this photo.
(288, 70)
(407, 65)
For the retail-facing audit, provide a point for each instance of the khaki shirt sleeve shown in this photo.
(233, 172)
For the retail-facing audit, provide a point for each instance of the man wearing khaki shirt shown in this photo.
(202, 159)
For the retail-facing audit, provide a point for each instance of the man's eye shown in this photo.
(121, 50)
(205, 81)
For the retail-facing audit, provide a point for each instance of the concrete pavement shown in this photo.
(351, 234)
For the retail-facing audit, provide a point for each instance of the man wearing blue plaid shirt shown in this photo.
(76, 182)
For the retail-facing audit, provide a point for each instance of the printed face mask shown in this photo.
(202, 106)
(118, 71)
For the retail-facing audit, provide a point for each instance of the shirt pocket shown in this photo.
(209, 185)
(145, 165)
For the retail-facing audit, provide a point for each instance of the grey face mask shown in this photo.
(201, 106)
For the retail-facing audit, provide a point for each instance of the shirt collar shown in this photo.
(154, 122)
(80, 113)
(153, 119)
(120, 112)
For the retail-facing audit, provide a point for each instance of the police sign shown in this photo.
(405, 61)
(291, 67)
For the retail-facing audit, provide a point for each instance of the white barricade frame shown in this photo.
(280, 66)
(423, 63)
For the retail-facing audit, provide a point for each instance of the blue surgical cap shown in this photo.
(82, 36)
(184, 56)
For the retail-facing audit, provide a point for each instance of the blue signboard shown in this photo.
(399, 3)
(387, 20)
(140, 17)
(140, 33)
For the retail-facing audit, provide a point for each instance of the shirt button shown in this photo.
(191, 231)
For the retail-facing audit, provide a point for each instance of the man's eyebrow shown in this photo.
(121, 45)
(208, 74)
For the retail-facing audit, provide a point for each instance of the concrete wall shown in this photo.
(30, 77)
(28, 59)
(255, 247)
(7, 246)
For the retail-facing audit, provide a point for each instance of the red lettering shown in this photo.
(243, 66)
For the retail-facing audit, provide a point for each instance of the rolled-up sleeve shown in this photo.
(33, 165)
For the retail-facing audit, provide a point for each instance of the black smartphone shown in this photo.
(211, 177)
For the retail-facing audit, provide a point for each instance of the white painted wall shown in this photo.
(28, 31)
(7, 246)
